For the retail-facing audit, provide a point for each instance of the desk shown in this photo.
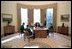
(40, 32)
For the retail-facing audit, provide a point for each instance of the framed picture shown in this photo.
(7, 17)
(65, 18)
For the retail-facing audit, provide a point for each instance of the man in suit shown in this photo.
(22, 29)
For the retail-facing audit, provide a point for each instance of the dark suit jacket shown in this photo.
(22, 28)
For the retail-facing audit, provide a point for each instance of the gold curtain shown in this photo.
(43, 14)
(18, 16)
(30, 16)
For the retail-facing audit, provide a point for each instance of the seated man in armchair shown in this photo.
(37, 24)
(29, 32)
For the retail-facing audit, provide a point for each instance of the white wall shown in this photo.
(64, 8)
(10, 7)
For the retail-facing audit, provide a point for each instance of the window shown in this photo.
(49, 17)
(24, 16)
(36, 15)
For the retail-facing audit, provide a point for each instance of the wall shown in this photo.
(64, 8)
(10, 7)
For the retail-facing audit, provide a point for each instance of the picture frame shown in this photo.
(65, 18)
(7, 17)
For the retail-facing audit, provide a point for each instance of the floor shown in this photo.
(52, 41)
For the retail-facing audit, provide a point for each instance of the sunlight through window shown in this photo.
(49, 17)
(31, 47)
(9, 39)
(24, 16)
(36, 15)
